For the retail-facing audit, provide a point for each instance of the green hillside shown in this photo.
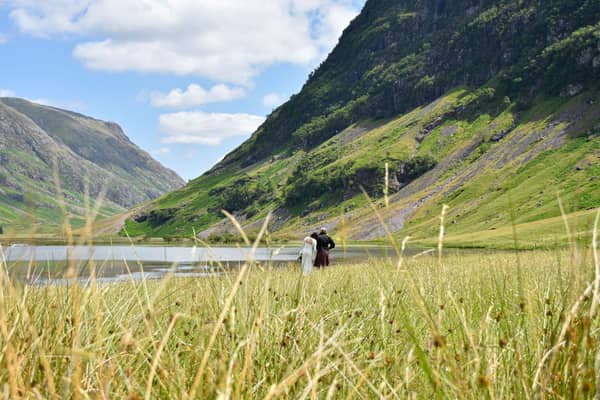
(491, 107)
(91, 158)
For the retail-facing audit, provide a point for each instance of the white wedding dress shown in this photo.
(308, 254)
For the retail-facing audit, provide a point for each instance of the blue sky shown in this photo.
(188, 80)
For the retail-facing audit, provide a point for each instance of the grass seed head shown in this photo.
(127, 341)
(483, 381)
(439, 341)
(586, 387)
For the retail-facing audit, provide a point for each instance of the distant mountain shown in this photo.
(489, 106)
(90, 156)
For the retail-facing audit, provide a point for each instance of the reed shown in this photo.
(448, 325)
(356, 331)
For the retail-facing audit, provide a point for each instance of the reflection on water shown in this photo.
(105, 279)
(125, 263)
(145, 253)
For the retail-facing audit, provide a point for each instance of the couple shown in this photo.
(316, 251)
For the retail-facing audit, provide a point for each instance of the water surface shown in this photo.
(119, 263)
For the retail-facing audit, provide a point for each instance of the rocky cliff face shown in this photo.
(397, 55)
(89, 156)
(464, 100)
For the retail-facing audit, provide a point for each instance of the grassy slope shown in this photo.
(476, 326)
(526, 188)
(552, 149)
(41, 213)
(90, 153)
(515, 121)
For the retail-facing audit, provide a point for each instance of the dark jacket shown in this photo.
(324, 242)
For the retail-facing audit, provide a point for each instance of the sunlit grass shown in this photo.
(448, 325)
(476, 325)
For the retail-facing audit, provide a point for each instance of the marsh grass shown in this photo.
(470, 325)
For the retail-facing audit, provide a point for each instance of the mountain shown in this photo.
(90, 156)
(491, 107)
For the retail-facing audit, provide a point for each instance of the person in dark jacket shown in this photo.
(324, 244)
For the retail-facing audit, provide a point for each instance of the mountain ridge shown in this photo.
(89, 154)
(459, 95)
(411, 75)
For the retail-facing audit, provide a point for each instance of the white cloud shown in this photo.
(196, 95)
(198, 127)
(272, 100)
(334, 18)
(161, 151)
(3, 38)
(6, 93)
(223, 40)
(41, 18)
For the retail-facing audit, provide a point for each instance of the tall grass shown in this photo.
(461, 325)
(463, 329)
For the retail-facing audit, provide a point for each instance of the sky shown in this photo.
(187, 80)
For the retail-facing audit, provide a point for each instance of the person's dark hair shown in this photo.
(314, 235)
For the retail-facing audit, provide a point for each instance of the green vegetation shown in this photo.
(490, 108)
(398, 55)
(475, 325)
(93, 159)
(484, 162)
(243, 193)
(457, 324)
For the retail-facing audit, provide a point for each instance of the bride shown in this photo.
(308, 253)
